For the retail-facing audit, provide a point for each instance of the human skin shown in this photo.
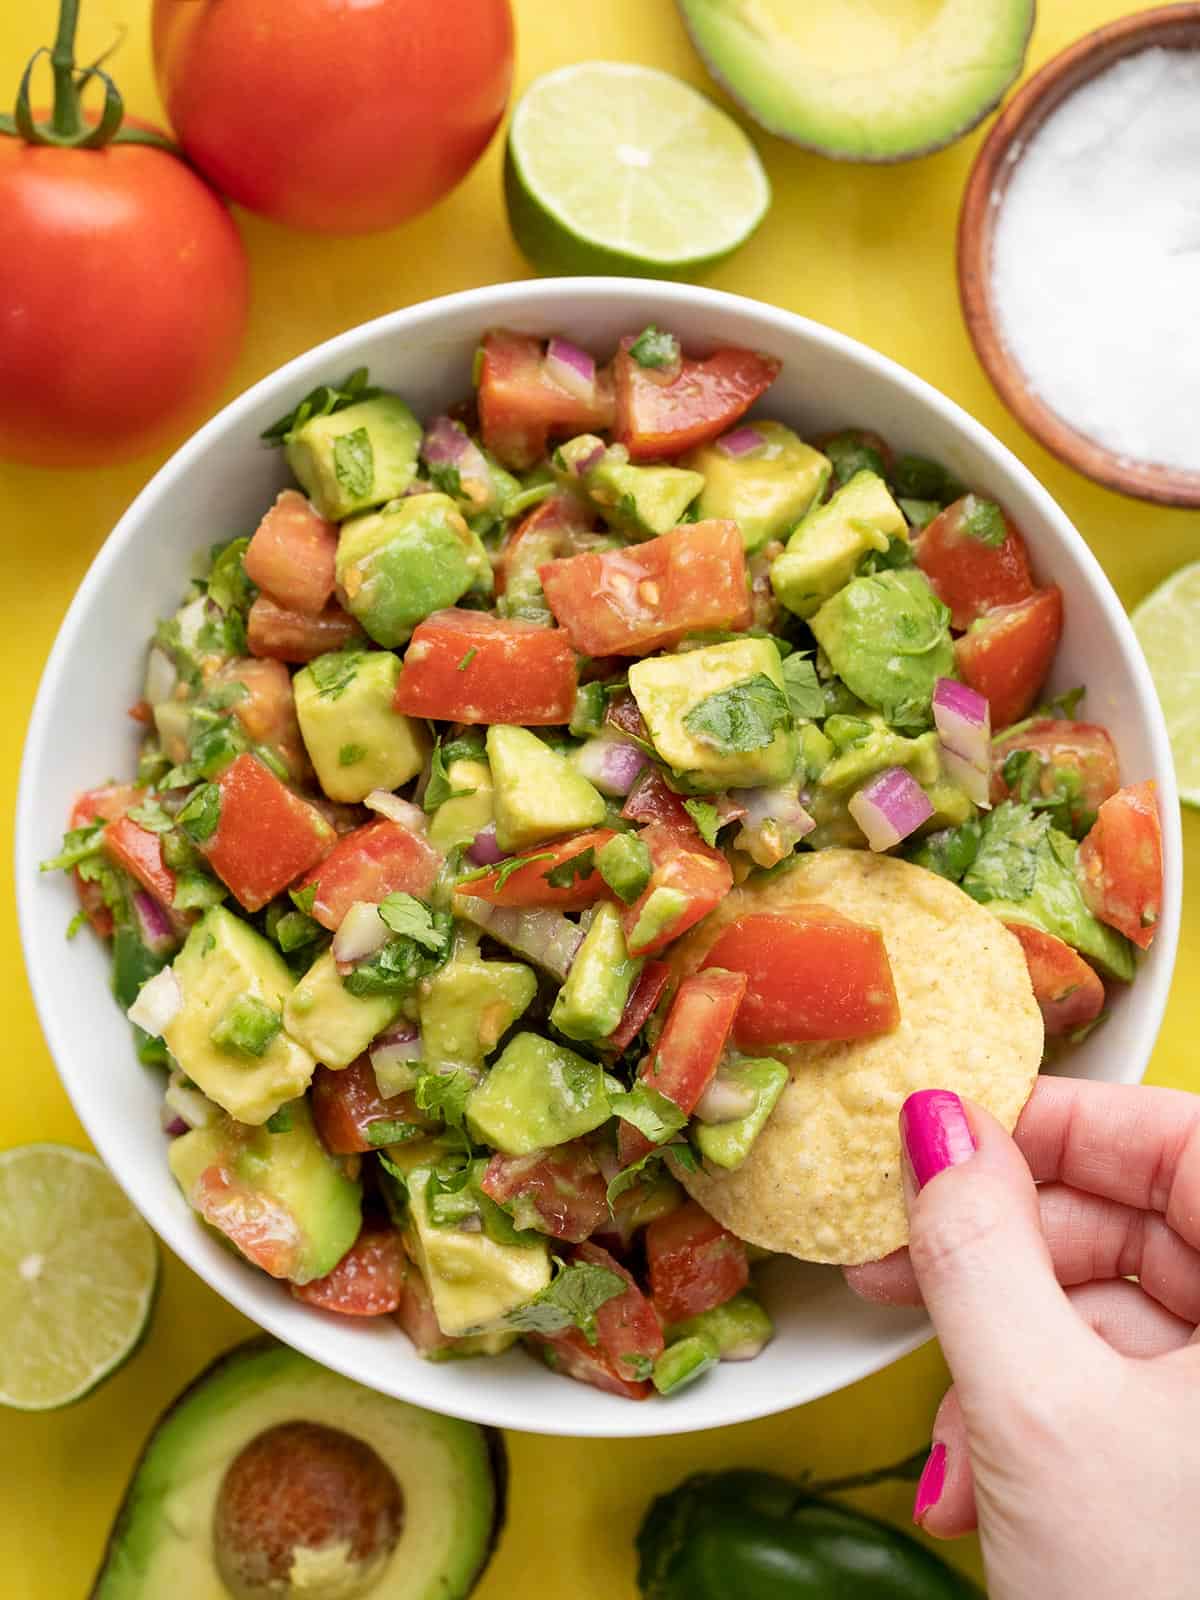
(1071, 1436)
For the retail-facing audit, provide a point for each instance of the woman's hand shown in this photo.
(1072, 1433)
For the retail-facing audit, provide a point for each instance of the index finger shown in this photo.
(1123, 1142)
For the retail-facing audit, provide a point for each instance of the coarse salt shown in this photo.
(1096, 259)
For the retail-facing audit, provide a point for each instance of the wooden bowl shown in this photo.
(1175, 27)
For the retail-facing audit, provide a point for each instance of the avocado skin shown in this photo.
(108, 1584)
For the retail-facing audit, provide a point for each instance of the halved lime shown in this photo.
(615, 168)
(1167, 624)
(78, 1271)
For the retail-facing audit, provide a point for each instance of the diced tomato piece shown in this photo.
(291, 556)
(1120, 864)
(417, 1318)
(287, 635)
(515, 671)
(559, 1191)
(643, 998)
(369, 1280)
(262, 1228)
(106, 804)
(139, 853)
(684, 1061)
(682, 862)
(1068, 992)
(1078, 751)
(812, 974)
(265, 837)
(142, 711)
(652, 800)
(694, 1263)
(968, 574)
(527, 886)
(373, 861)
(521, 406)
(547, 531)
(629, 1338)
(346, 1103)
(631, 602)
(658, 415)
(267, 711)
(1008, 653)
(623, 714)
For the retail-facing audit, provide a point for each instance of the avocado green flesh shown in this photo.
(450, 1473)
(359, 457)
(354, 738)
(858, 81)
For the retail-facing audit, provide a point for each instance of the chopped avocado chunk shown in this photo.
(887, 637)
(335, 1025)
(468, 1005)
(591, 1002)
(282, 1193)
(740, 1328)
(624, 864)
(662, 910)
(165, 1540)
(683, 1362)
(640, 502)
(537, 1094)
(354, 738)
(224, 963)
(473, 1281)
(833, 538)
(1024, 871)
(469, 808)
(760, 1083)
(719, 716)
(397, 566)
(765, 492)
(879, 747)
(538, 794)
(358, 457)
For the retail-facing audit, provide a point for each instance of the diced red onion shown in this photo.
(183, 1100)
(396, 810)
(730, 808)
(774, 821)
(977, 784)
(159, 1002)
(172, 1126)
(584, 463)
(571, 369)
(743, 441)
(963, 720)
(471, 1224)
(725, 1100)
(154, 923)
(484, 851)
(445, 444)
(610, 763)
(890, 807)
(543, 936)
(361, 932)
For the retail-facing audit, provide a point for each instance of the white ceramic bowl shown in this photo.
(217, 485)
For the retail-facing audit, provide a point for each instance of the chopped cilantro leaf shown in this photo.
(322, 401)
(151, 816)
(202, 813)
(746, 716)
(78, 845)
(228, 584)
(408, 957)
(280, 1121)
(304, 899)
(354, 462)
(196, 891)
(570, 1301)
(405, 914)
(350, 754)
(444, 1094)
(388, 1130)
(654, 348)
(682, 1154)
(574, 869)
(650, 1113)
(467, 660)
(506, 869)
(446, 478)
(334, 672)
(805, 696)
(1005, 866)
(704, 814)
(439, 789)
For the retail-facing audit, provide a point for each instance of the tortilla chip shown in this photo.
(822, 1180)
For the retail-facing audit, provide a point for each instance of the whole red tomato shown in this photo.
(340, 116)
(123, 298)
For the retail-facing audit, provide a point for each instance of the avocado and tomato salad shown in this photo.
(439, 762)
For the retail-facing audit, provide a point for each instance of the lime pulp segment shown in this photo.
(1167, 624)
(78, 1269)
(632, 161)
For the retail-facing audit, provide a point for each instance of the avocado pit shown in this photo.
(305, 1509)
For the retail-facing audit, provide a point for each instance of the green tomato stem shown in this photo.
(66, 119)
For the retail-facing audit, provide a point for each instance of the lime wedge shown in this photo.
(78, 1269)
(1167, 624)
(614, 168)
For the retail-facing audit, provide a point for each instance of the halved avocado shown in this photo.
(858, 81)
(266, 1449)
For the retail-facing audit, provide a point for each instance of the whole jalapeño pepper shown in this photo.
(745, 1535)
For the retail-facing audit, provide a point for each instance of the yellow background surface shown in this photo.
(868, 251)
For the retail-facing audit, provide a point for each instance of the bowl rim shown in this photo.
(486, 1405)
(983, 197)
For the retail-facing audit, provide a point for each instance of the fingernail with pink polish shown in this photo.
(931, 1484)
(935, 1132)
